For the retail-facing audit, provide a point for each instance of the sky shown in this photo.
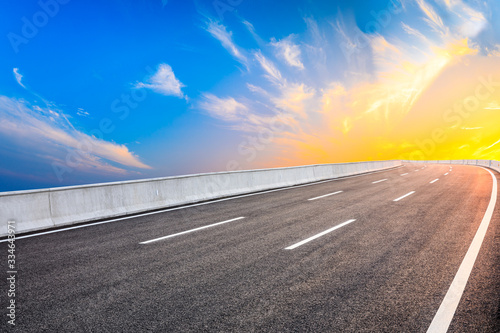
(100, 91)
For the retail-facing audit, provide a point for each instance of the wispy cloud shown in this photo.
(225, 37)
(49, 131)
(288, 51)
(466, 21)
(472, 128)
(492, 145)
(227, 109)
(273, 74)
(246, 116)
(82, 113)
(251, 29)
(294, 98)
(470, 22)
(414, 32)
(432, 18)
(18, 77)
(163, 82)
(493, 106)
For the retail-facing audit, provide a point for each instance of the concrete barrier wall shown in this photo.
(495, 165)
(48, 208)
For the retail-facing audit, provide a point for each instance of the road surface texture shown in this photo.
(370, 253)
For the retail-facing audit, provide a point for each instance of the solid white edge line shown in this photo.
(446, 311)
(199, 204)
(435, 180)
(291, 247)
(379, 181)
(404, 196)
(192, 230)
(326, 195)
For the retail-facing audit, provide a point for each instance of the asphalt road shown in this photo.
(376, 265)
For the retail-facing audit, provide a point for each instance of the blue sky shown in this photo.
(96, 91)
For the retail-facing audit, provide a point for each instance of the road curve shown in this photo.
(372, 253)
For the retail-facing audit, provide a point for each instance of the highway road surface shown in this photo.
(369, 253)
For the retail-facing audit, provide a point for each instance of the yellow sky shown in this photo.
(446, 107)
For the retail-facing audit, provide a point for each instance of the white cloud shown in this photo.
(433, 19)
(219, 32)
(293, 99)
(164, 82)
(467, 22)
(251, 30)
(18, 77)
(227, 109)
(49, 132)
(273, 74)
(470, 21)
(288, 51)
(414, 32)
(316, 46)
(82, 113)
(248, 116)
(258, 90)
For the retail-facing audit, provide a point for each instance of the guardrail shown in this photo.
(48, 208)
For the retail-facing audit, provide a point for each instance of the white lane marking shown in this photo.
(198, 204)
(192, 230)
(435, 180)
(326, 195)
(446, 174)
(447, 309)
(404, 196)
(379, 181)
(291, 247)
(404, 174)
(417, 170)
